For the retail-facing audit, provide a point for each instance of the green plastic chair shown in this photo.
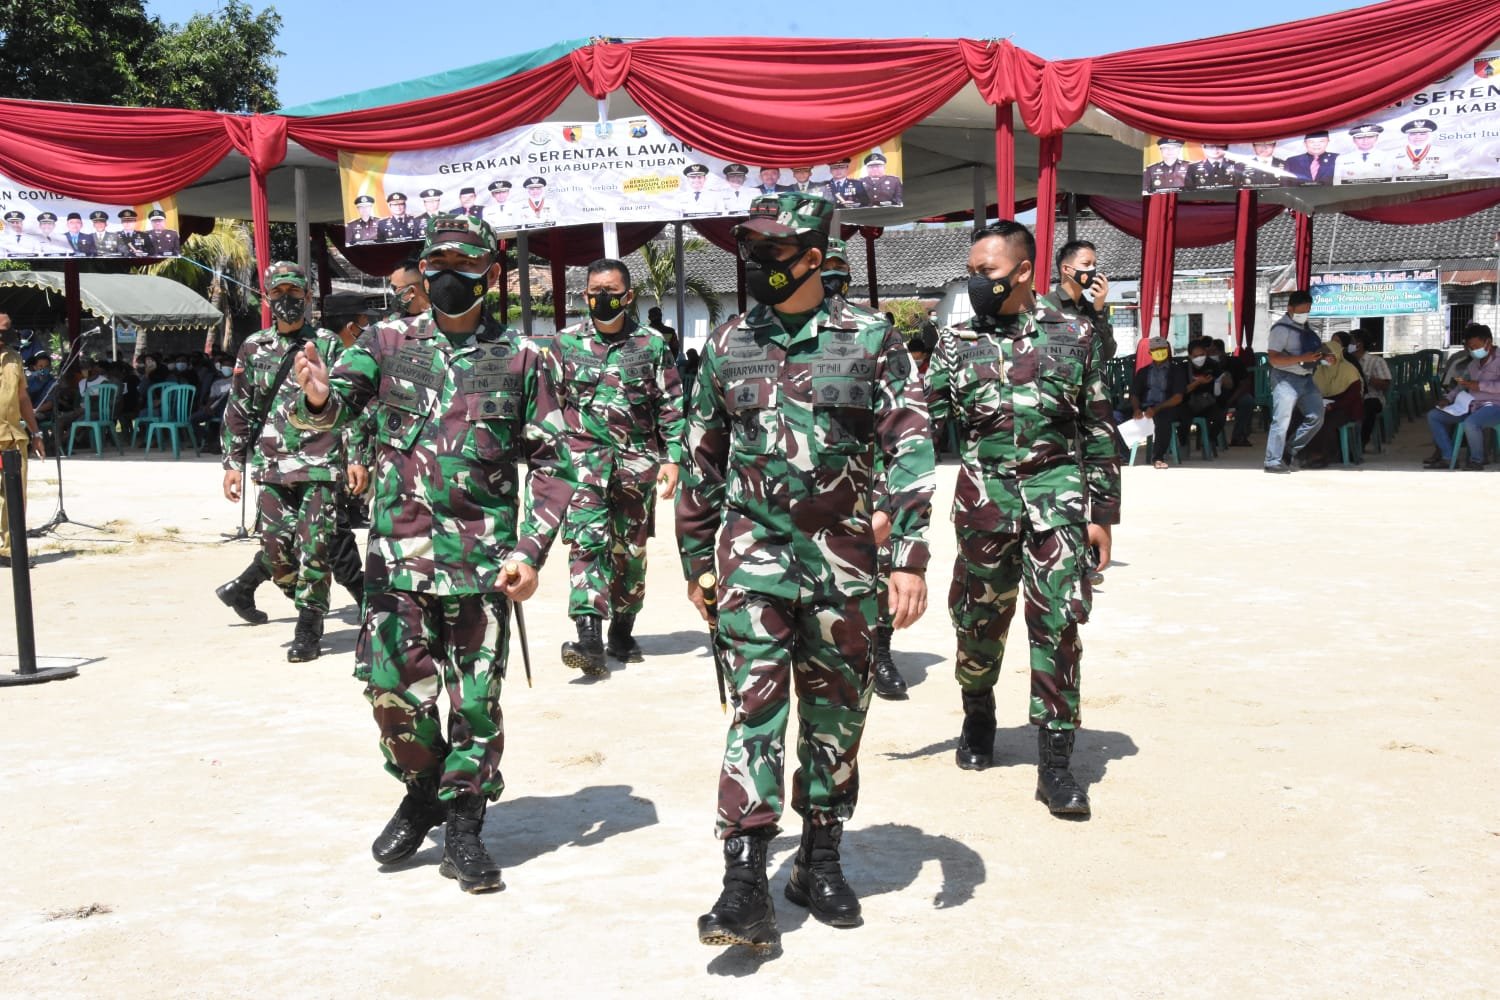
(1206, 444)
(1176, 455)
(151, 413)
(1263, 392)
(176, 408)
(98, 417)
(1351, 450)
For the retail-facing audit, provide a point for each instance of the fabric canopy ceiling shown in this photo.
(787, 100)
(143, 301)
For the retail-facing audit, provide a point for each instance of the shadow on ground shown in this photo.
(1016, 747)
(522, 829)
(878, 859)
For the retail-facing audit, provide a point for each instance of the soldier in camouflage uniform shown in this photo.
(796, 406)
(621, 379)
(888, 680)
(458, 401)
(1082, 291)
(298, 472)
(1040, 483)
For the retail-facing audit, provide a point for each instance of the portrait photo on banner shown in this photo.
(1447, 131)
(40, 224)
(581, 173)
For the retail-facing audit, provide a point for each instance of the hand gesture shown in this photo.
(312, 376)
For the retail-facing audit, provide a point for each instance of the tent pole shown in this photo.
(1072, 217)
(611, 230)
(523, 269)
(981, 207)
(73, 295)
(681, 284)
(304, 242)
(870, 269)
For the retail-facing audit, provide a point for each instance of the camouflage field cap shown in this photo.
(460, 232)
(793, 213)
(284, 272)
(836, 251)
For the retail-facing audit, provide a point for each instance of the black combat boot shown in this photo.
(464, 856)
(976, 742)
(622, 645)
(744, 913)
(888, 680)
(419, 812)
(239, 594)
(1055, 784)
(587, 654)
(817, 880)
(305, 639)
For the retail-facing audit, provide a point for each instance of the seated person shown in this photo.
(1482, 383)
(39, 382)
(1237, 387)
(1205, 389)
(208, 414)
(1377, 377)
(1157, 394)
(1343, 391)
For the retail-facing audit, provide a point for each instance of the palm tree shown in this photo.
(221, 265)
(660, 279)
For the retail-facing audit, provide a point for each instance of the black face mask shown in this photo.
(835, 284)
(1085, 278)
(454, 293)
(606, 307)
(286, 309)
(987, 295)
(770, 281)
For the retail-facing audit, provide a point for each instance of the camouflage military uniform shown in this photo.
(625, 389)
(783, 436)
(452, 418)
(1023, 395)
(298, 470)
(1083, 310)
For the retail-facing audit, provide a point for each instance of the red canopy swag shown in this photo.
(789, 100)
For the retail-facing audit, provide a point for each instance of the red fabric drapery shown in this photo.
(1046, 202)
(1443, 208)
(719, 232)
(1246, 229)
(1051, 95)
(1199, 224)
(783, 101)
(522, 99)
(1005, 163)
(1302, 254)
(577, 246)
(1287, 78)
(1158, 254)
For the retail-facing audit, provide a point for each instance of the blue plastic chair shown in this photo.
(1176, 455)
(176, 409)
(1351, 450)
(98, 417)
(151, 413)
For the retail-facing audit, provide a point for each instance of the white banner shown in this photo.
(43, 224)
(1450, 130)
(577, 173)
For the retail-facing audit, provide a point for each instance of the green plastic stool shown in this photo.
(1172, 447)
(1350, 447)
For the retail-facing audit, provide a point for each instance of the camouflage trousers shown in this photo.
(1047, 569)
(297, 523)
(883, 581)
(609, 529)
(821, 649)
(413, 646)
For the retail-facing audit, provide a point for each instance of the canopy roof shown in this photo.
(144, 301)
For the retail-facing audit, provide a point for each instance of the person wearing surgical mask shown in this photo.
(1158, 392)
(1481, 386)
(1082, 290)
(1293, 352)
(460, 402)
(1038, 489)
(623, 381)
(1207, 391)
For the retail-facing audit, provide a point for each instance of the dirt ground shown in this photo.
(1290, 744)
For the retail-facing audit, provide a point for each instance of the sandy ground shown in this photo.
(1290, 702)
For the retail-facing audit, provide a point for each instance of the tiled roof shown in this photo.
(920, 261)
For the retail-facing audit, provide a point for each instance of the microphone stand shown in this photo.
(61, 516)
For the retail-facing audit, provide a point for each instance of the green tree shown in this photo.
(113, 52)
(909, 314)
(223, 61)
(660, 280)
(221, 266)
(86, 51)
